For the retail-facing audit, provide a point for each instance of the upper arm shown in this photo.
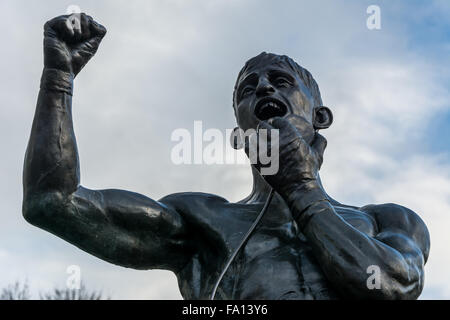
(121, 227)
(404, 231)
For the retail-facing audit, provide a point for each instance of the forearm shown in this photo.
(345, 253)
(51, 161)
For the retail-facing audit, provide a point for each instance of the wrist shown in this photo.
(316, 208)
(57, 80)
(294, 190)
(304, 196)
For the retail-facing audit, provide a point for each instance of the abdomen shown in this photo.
(288, 271)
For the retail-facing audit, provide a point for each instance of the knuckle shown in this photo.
(279, 122)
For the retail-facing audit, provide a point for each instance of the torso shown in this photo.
(276, 263)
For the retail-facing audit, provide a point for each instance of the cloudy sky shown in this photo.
(165, 64)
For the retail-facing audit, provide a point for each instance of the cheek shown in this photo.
(246, 118)
(301, 104)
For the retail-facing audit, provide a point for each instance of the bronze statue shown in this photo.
(307, 245)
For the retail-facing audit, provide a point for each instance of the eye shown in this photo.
(282, 81)
(246, 91)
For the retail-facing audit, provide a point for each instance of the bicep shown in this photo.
(121, 227)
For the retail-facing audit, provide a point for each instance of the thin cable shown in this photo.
(243, 242)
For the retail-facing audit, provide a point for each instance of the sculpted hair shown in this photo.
(265, 58)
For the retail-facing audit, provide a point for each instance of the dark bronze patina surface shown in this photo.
(307, 246)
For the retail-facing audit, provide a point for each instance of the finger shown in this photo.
(59, 26)
(264, 131)
(287, 132)
(286, 128)
(97, 29)
(85, 26)
(296, 120)
(278, 122)
(251, 148)
(92, 33)
(263, 146)
(264, 125)
(74, 21)
(305, 128)
(89, 47)
(52, 23)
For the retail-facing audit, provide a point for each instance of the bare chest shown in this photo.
(280, 264)
(276, 263)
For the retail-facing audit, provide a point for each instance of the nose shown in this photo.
(264, 88)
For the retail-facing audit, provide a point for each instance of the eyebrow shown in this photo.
(275, 72)
(253, 76)
(248, 78)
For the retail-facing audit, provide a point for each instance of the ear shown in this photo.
(236, 138)
(322, 118)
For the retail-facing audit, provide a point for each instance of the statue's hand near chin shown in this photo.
(304, 128)
(70, 41)
(300, 150)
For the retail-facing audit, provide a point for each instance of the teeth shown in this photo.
(272, 105)
(270, 109)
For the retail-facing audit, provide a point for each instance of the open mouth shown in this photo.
(270, 108)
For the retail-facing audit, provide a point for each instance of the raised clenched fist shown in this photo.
(70, 41)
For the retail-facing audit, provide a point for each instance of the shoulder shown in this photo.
(395, 219)
(202, 212)
(186, 201)
(394, 216)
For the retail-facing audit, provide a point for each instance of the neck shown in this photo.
(261, 189)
